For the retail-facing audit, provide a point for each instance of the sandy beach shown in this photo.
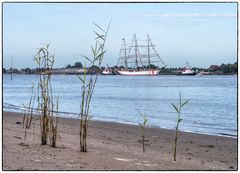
(113, 146)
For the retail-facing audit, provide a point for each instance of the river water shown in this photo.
(211, 110)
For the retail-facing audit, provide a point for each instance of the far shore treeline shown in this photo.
(77, 68)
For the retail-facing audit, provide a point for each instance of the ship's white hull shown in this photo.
(188, 72)
(139, 73)
(107, 73)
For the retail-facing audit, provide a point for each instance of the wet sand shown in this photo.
(113, 146)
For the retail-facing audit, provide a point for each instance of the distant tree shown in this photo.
(68, 66)
(27, 70)
(78, 65)
(214, 68)
(15, 70)
(152, 66)
(94, 69)
(194, 68)
(229, 68)
(235, 67)
(4, 70)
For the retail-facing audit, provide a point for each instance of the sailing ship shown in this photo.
(136, 63)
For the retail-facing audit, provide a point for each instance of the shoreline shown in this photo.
(135, 124)
(114, 146)
(161, 74)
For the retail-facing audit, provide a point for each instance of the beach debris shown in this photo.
(209, 146)
(146, 164)
(23, 144)
(17, 137)
(179, 119)
(154, 136)
(122, 159)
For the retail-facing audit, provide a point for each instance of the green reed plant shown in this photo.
(28, 112)
(88, 85)
(46, 104)
(53, 134)
(143, 126)
(179, 119)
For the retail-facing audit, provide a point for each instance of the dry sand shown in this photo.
(113, 146)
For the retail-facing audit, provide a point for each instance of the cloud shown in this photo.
(192, 15)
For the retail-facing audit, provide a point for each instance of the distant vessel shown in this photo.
(199, 74)
(204, 73)
(107, 71)
(187, 70)
(135, 63)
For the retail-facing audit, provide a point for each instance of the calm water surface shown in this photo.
(212, 109)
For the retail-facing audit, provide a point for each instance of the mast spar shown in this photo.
(11, 67)
(125, 57)
(148, 45)
(136, 50)
(125, 52)
(156, 52)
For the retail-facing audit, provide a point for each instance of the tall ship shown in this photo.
(139, 59)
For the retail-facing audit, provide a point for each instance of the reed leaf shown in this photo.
(175, 107)
(105, 32)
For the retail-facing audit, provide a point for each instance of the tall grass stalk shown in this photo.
(143, 126)
(88, 85)
(179, 119)
(45, 100)
(53, 135)
(28, 113)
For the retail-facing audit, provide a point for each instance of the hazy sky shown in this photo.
(200, 33)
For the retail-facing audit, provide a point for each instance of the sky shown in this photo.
(201, 33)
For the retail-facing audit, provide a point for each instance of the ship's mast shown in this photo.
(148, 51)
(11, 68)
(124, 58)
(136, 50)
(125, 53)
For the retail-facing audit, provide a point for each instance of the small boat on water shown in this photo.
(136, 63)
(199, 74)
(187, 70)
(107, 71)
(202, 73)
